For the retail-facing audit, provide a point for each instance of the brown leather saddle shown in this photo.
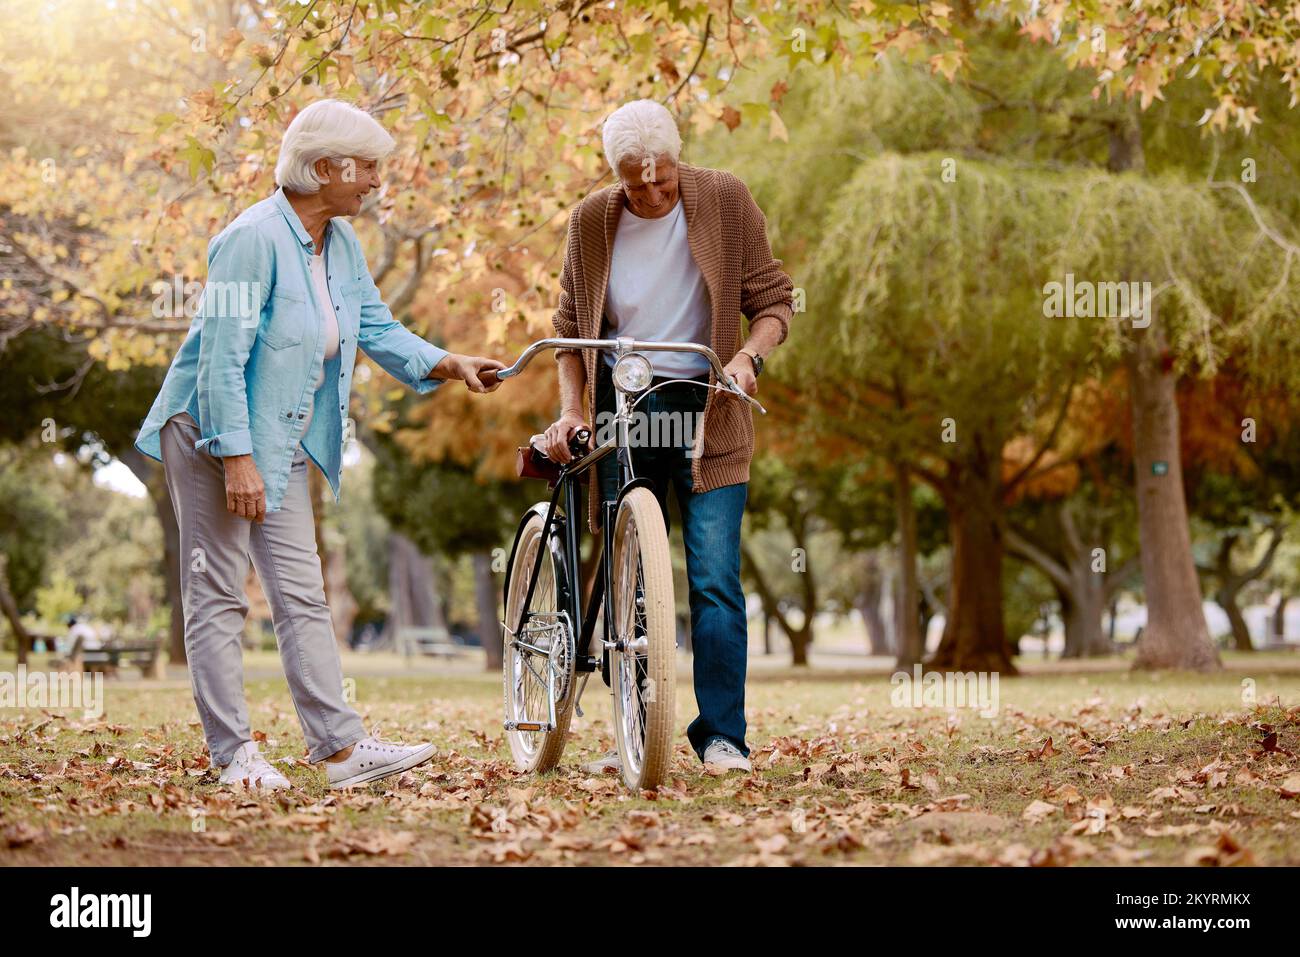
(532, 463)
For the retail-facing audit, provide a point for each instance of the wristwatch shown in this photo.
(757, 361)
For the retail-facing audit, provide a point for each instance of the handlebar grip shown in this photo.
(578, 444)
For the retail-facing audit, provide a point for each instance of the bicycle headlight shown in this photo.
(633, 373)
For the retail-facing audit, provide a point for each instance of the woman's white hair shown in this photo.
(639, 130)
(328, 129)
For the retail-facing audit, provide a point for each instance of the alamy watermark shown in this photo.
(75, 909)
(1084, 299)
(977, 690)
(53, 690)
(652, 430)
(180, 299)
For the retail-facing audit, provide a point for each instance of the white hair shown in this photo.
(328, 129)
(640, 130)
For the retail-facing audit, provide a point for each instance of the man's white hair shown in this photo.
(328, 129)
(640, 130)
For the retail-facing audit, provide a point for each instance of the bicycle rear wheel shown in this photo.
(532, 674)
(643, 671)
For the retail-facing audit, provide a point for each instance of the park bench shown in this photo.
(435, 642)
(144, 654)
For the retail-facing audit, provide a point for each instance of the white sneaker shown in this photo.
(606, 762)
(372, 759)
(722, 755)
(249, 769)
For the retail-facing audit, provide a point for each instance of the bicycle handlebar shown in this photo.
(633, 345)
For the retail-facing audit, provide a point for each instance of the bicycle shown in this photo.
(548, 629)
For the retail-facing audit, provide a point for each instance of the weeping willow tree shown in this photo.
(931, 338)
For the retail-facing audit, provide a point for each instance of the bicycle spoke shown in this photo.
(531, 694)
(630, 624)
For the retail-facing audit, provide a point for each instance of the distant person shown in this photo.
(260, 387)
(82, 629)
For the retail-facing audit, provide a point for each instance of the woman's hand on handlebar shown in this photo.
(557, 436)
(478, 373)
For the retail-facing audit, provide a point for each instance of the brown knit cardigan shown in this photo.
(727, 233)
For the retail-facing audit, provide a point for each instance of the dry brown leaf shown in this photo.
(1038, 810)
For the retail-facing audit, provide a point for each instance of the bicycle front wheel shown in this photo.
(643, 671)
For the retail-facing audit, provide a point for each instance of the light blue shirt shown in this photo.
(256, 348)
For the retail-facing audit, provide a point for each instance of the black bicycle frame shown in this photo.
(569, 490)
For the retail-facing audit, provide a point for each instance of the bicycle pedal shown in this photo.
(529, 726)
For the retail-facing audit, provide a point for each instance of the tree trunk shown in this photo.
(1082, 609)
(485, 600)
(338, 596)
(800, 638)
(1231, 583)
(172, 559)
(927, 616)
(1226, 597)
(1175, 635)
(342, 604)
(151, 475)
(9, 607)
(800, 642)
(974, 635)
(873, 591)
(1081, 591)
(412, 590)
(909, 638)
(1279, 617)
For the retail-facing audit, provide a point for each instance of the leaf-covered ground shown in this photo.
(1085, 765)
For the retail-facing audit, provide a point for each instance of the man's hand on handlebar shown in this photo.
(741, 370)
(555, 440)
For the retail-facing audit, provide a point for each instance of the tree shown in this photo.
(1074, 524)
(443, 509)
(1243, 456)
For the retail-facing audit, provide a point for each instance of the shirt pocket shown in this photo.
(286, 321)
(353, 292)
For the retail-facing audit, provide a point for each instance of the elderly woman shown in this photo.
(678, 253)
(260, 387)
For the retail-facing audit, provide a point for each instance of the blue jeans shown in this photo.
(711, 530)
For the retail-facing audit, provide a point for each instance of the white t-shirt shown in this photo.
(656, 292)
(329, 321)
(89, 635)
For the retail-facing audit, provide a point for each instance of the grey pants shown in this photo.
(215, 546)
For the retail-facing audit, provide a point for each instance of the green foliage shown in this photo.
(32, 523)
(365, 533)
(443, 507)
(57, 600)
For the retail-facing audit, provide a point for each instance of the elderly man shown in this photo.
(673, 252)
(259, 388)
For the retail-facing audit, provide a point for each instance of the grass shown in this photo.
(1167, 768)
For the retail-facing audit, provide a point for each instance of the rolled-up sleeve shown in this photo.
(240, 271)
(565, 319)
(765, 287)
(398, 351)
